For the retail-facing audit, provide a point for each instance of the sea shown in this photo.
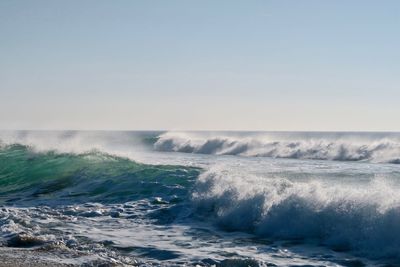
(202, 198)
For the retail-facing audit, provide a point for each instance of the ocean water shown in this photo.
(202, 198)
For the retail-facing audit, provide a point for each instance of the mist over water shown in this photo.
(205, 198)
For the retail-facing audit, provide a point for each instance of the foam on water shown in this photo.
(133, 238)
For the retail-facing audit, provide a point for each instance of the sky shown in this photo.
(307, 65)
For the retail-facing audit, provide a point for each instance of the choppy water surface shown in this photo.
(203, 198)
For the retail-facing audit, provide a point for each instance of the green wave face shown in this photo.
(48, 177)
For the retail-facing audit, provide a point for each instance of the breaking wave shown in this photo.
(364, 219)
(340, 147)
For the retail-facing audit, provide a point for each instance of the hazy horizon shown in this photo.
(177, 65)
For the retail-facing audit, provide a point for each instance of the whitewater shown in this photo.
(91, 198)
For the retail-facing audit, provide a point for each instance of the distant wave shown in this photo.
(364, 218)
(344, 148)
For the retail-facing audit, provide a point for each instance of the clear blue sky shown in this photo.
(211, 65)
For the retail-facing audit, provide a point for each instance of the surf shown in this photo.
(88, 186)
(362, 218)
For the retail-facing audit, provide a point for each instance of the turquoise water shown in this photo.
(28, 177)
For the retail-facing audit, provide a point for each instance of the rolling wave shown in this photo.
(364, 218)
(51, 177)
(343, 148)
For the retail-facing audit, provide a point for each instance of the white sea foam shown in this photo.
(362, 217)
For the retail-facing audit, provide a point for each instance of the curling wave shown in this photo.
(51, 177)
(340, 147)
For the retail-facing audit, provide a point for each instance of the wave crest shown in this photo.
(383, 150)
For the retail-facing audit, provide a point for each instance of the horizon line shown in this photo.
(179, 130)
